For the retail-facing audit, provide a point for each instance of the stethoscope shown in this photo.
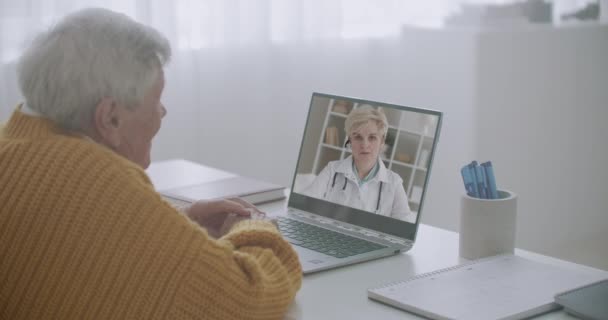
(344, 188)
(333, 184)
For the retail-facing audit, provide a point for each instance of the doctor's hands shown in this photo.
(218, 216)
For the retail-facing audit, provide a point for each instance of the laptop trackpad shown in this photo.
(310, 258)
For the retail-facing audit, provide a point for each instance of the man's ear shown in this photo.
(107, 121)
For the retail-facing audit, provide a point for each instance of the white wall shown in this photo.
(254, 103)
(542, 102)
(9, 91)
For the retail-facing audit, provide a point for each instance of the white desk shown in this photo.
(341, 293)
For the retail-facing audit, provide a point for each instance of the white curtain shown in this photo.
(242, 70)
(227, 25)
(222, 25)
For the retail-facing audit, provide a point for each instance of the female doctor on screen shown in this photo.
(361, 180)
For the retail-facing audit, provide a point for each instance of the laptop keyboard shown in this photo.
(322, 240)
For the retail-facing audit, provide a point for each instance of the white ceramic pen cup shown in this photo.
(487, 226)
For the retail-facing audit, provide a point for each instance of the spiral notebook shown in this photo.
(498, 287)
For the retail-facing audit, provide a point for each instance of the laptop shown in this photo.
(334, 219)
(328, 230)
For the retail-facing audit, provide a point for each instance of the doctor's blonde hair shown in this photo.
(363, 114)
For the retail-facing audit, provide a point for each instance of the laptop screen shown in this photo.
(366, 163)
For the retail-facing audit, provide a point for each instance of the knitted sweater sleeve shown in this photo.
(250, 273)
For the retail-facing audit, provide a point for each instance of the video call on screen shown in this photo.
(406, 152)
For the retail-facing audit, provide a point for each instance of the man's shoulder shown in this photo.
(95, 158)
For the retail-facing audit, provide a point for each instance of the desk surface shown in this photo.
(341, 293)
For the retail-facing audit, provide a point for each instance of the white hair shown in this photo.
(362, 115)
(89, 55)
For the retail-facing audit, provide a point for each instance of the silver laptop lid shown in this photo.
(375, 175)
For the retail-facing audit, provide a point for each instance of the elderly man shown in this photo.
(83, 234)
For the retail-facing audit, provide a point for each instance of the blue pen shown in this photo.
(481, 182)
(468, 180)
(491, 180)
(472, 169)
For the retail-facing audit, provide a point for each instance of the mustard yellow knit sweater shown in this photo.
(83, 235)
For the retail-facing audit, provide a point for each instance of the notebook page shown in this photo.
(501, 287)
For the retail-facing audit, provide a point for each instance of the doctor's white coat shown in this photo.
(338, 183)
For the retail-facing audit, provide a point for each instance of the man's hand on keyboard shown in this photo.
(255, 213)
(217, 216)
